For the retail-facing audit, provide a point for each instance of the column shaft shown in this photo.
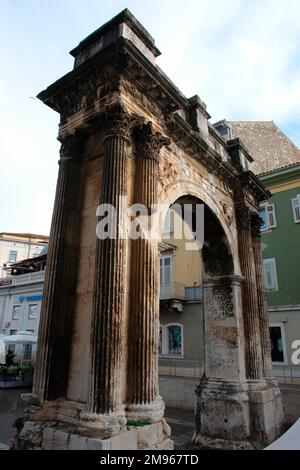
(144, 313)
(109, 287)
(143, 397)
(262, 307)
(55, 329)
(250, 302)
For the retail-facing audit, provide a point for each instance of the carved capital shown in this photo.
(243, 217)
(150, 142)
(117, 121)
(256, 223)
(71, 147)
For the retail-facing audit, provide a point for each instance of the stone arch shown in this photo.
(175, 191)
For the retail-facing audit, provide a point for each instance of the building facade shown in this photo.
(281, 258)
(15, 247)
(21, 297)
(181, 346)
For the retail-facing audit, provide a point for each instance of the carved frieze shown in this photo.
(140, 98)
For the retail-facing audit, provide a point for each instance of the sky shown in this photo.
(241, 57)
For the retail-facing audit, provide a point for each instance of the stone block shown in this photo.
(77, 442)
(124, 441)
(98, 444)
(168, 444)
(48, 438)
(148, 436)
(60, 441)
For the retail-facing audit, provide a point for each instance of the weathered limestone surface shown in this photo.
(126, 130)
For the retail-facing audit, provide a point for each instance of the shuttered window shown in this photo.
(270, 274)
(268, 214)
(296, 209)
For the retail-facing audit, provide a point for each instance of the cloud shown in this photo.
(241, 57)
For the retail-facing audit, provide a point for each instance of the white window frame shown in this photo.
(167, 223)
(13, 311)
(273, 262)
(284, 349)
(296, 199)
(16, 255)
(36, 312)
(162, 282)
(269, 208)
(165, 342)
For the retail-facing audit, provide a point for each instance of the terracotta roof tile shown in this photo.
(268, 145)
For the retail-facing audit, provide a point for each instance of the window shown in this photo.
(268, 214)
(12, 256)
(16, 312)
(296, 209)
(278, 348)
(27, 351)
(174, 336)
(171, 340)
(194, 293)
(13, 332)
(167, 223)
(166, 270)
(32, 313)
(270, 274)
(11, 347)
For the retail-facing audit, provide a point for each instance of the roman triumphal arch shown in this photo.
(127, 133)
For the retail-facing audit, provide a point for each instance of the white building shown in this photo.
(15, 247)
(20, 301)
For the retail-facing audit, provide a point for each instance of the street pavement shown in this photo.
(9, 412)
(181, 422)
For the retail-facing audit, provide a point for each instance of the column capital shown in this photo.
(150, 142)
(117, 121)
(256, 223)
(71, 147)
(243, 217)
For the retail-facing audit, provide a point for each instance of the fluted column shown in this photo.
(253, 351)
(261, 298)
(51, 370)
(109, 281)
(143, 398)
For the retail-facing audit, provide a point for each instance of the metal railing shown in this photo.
(287, 374)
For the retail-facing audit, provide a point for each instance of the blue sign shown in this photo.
(30, 298)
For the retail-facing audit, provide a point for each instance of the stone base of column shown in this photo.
(266, 411)
(232, 415)
(64, 425)
(151, 412)
(38, 435)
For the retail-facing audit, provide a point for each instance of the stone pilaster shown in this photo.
(143, 397)
(109, 283)
(253, 350)
(55, 329)
(261, 298)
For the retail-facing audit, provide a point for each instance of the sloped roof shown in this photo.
(268, 145)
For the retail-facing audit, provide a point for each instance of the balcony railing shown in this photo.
(175, 290)
(179, 291)
(23, 279)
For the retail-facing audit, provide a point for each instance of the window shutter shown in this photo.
(296, 208)
(271, 216)
(270, 277)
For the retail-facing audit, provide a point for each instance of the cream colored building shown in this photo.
(15, 247)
